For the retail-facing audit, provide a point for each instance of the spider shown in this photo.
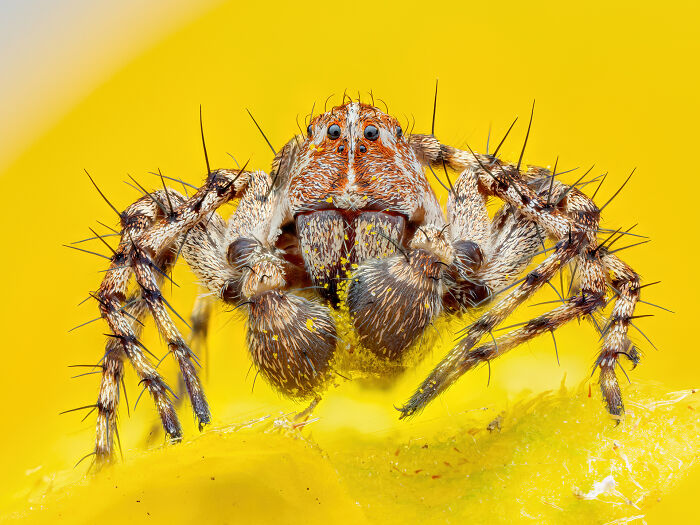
(348, 206)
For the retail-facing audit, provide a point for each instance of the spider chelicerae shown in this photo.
(347, 206)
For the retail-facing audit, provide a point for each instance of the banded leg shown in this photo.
(126, 321)
(203, 248)
(176, 344)
(625, 283)
(460, 358)
(570, 216)
(148, 240)
(197, 341)
(457, 364)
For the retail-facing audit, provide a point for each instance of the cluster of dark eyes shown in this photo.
(371, 133)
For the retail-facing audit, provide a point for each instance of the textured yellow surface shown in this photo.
(550, 457)
(615, 85)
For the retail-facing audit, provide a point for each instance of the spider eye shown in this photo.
(371, 132)
(362, 148)
(333, 131)
(308, 130)
(399, 132)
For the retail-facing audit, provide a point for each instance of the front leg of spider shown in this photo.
(573, 222)
(150, 236)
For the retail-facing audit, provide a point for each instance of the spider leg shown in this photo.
(625, 283)
(197, 341)
(470, 234)
(301, 418)
(176, 344)
(199, 320)
(146, 249)
(570, 217)
(489, 255)
(203, 248)
(512, 243)
(467, 215)
(468, 357)
(462, 357)
(125, 321)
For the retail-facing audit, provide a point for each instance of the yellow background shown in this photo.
(616, 85)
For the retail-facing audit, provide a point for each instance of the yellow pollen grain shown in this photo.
(310, 325)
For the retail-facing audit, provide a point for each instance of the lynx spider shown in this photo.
(352, 196)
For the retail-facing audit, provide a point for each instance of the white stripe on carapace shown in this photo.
(351, 126)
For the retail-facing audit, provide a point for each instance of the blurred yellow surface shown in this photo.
(616, 85)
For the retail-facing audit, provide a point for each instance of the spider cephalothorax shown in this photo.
(357, 158)
(355, 190)
(350, 203)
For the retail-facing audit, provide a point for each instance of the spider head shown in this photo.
(355, 157)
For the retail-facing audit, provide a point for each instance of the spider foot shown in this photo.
(420, 399)
(610, 388)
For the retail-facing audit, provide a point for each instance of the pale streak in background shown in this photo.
(52, 54)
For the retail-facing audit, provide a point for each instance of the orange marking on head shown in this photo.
(358, 156)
